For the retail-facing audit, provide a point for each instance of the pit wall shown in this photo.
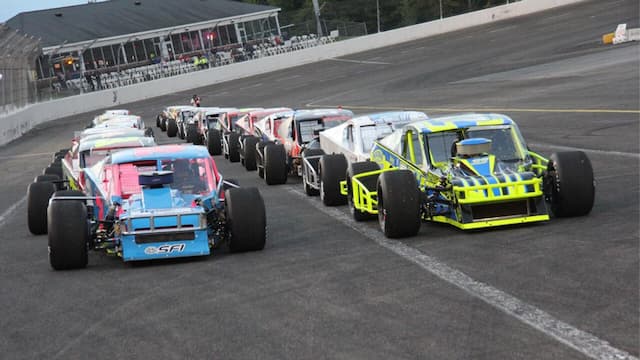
(12, 126)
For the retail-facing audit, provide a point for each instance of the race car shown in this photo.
(209, 129)
(230, 132)
(126, 121)
(472, 171)
(349, 142)
(153, 203)
(199, 124)
(109, 114)
(295, 134)
(247, 140)
(184, 120)
(266, 132)
(162, 119)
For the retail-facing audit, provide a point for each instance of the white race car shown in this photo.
(325, 164)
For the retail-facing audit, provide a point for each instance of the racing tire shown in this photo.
(214, 144)
(249, 145)
(260, 156)
(46, 178)
(352, 170)
(50, 178)
(148, 132)
(246, 219)
(192, 134)
(234, 147)
(181, 134)
(333, 169)
(569, 184)
(59, 155)
(275, 164)
(172, 128)
(398, 204)
(308, 189)
(53, 170)
(68, 234)
(38, 194)
(158, 121)
(163, 125)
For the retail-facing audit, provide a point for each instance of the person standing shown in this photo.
(98, 79)
(87, 76)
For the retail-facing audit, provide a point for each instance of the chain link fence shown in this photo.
(18, 78)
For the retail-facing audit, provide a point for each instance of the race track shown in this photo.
(326, 287)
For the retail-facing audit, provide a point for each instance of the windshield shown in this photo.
(441, 145)
(307, 128)
(502, 143)
(89, 158)
(190, 176)
(371, 133)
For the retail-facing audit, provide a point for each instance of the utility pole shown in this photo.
(441, 9)
(378, 13)
(316, 10)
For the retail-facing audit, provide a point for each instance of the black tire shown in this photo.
(68, 234)
(569, 184)
(355, 169)
(163, 124)
(214, 144)
(192, 134)
(398, 204)
(148, 132)
(333, 169)
(308, 189)
(38, 194)
(158, 121)
(249, 146)
(53, 170)
(46, 178)
(246, 219)
(172, 128)
(275, 164)
(59, 155)
(234, 147)
(260, 156)
(181, 134)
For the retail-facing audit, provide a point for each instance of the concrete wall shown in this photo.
(14, 125)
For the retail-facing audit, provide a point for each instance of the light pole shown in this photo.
(378, 13)
(440, 9)
(316, 10)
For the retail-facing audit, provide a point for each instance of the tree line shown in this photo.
(393, 13)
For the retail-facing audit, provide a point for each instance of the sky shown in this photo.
(10, 8)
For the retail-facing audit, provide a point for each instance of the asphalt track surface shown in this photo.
(327, 288)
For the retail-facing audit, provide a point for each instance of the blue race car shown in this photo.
(154, 203)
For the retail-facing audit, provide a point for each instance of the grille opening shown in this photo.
(153, 238)
(506, 209)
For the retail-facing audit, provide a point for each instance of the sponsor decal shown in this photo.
(164, 249)
(479, 161)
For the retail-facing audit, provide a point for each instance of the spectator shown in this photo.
(87, 76)
(98, 79)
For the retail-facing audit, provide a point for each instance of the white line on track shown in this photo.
(5, 215)
(361, 61)
(577, 339)
(592, 151)
(5, 157)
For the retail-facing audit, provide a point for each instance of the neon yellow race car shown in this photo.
(471, 171)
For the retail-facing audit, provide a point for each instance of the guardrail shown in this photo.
(14, 125)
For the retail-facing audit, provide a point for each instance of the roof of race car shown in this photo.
(306, 114)
(461, 121)
(162, 152)
(93, 133)
(390, 117)
(116, 142)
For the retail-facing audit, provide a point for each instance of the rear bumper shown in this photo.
(137, 247)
